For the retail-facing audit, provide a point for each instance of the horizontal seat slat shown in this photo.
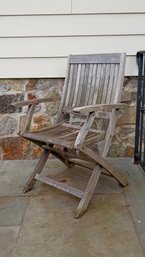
(63, 134)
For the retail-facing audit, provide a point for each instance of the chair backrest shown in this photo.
(92, 79)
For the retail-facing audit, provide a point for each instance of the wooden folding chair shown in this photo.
(92, 89)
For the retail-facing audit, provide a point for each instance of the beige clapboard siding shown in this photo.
(45, 67)
(20, 7)
(108, 6)
(72, 25)
(36, 36)
(30, 7)
(63, 46)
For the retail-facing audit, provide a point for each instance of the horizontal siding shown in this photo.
(37, 36)
(46, 67)
(72, 25)
(108, 6)
(63, 46)
(33, 7)
(30, 7)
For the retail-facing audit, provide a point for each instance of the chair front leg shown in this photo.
(31, 181)
(82, 207)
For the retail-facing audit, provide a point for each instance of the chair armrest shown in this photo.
(35, 101)
(31, 107)
(98, 107)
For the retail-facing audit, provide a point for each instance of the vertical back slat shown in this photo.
(84, 92)
(101, 84)
(107, 74)
(114, 84)
(92, 84)
(98, 77)
(77, 85)
(89, 84)
(73, 86)
(120, 78)
(80, 89)
(111, 78)
(69, 85)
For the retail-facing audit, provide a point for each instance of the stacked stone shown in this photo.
(124, 138)
(11, 118)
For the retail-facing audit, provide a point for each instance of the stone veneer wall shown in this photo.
(11, 118)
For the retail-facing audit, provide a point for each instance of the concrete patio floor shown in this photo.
(41, 223)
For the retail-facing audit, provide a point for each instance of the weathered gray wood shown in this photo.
(85, 85)
(69, 85)
(28, 120)
(83, 204)
(97, 85)
(79, 127)
(64, 93)
(93, 82)
(101, 85)
(64, 135)
(103, 115)
(107, 74)
(84, 130)
(111, 78)
(92, 88)
(36, 101)
(82, 163)
(88, 165)
(98, 107)
(95, 138)
(81, 86)
(110, 133)
(121, 178)
(114, 84)
(98, 58)
(59, 185)
(73, 85)
(89, 84)
(77, 85)
(31, 181)
(61, 155)
(120, 78)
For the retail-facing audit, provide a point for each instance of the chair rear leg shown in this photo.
(88, 192)
(31, 181)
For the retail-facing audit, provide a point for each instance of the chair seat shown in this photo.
(62, 134)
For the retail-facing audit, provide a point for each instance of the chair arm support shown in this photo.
(85, 110)
(35, 101)
(84, 130)
(31, 107)
(28, 119)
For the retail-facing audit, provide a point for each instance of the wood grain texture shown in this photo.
(42, 161)
(59, 185)
(90, 80)
(35, 101)
(87, 194)
(99, 107)
(121, 178)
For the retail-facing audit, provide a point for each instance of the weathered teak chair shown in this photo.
(92, 89)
